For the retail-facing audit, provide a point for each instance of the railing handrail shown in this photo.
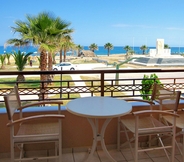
(89, 71)
(129, 85)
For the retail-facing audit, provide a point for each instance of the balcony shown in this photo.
(68, 85)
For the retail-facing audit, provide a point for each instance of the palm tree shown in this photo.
(109, 47)
(17, 42)
(8, 55)
(127, 49)
(66, 45)
(29, 59)
(50, 59)
(44, 31)
(93, 47)
(38, 60)
(2, 60)
(20, 61)
(79, 48)
(54, 58)
(166, 46)
(143, 48)
(129, 54)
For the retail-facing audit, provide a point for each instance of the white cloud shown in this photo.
(122, 25)
(146, 26)
(128, 25)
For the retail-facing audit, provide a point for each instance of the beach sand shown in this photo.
(110, 59)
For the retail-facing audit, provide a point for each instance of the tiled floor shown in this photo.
(120, 156)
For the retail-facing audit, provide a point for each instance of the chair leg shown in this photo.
(129, 140)
(119, 131)
(12, 152)
(149, 141)
(118, 134)
(183, 148)
(136, 149)
(12, 145)
(60, 141)
(136, 140)
(162, 145)
(56, 150)
(22, 152)
(173, 142)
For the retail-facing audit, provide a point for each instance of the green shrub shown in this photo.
(147, 85)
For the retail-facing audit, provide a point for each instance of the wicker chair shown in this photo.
(146, 123)
(120, 129)
(32, 129)
(170, 105)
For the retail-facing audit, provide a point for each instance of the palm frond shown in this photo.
(21, 59)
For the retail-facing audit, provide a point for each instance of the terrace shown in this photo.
(68, 85)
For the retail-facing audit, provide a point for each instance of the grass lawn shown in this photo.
(33, 82)
(97, 83)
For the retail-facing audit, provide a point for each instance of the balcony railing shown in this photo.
(68, 85)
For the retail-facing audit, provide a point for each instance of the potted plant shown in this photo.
(147, 84)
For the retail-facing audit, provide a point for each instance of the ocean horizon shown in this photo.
(101, 50)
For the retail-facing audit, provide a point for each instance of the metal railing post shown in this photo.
(102, 83)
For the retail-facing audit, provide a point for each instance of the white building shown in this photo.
(160, 51)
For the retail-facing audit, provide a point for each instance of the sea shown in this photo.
(101, 50)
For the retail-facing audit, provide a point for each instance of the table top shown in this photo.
(99, 107)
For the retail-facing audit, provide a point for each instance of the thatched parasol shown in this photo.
(87, 53)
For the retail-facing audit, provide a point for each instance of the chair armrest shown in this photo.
(147, 112)
(139, 100)
(36, 117)
(40, 103)
(164, 97)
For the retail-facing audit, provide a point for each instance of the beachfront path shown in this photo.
(77, 77)
(86, 67)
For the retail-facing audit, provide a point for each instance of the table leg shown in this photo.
(95, 136)
(99, 137)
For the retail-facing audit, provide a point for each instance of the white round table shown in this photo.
(98, 108)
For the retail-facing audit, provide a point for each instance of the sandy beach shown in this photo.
(111, 59)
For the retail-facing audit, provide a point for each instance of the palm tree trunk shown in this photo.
(64, 54)
(61, 55)
(2, 67)
(50, 77)
(20, 78)
(43, 66)
(9, 63)
(50, 61)
(54, 59)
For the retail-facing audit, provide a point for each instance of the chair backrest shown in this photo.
(168, 98)
(12, 102)
(160, 90)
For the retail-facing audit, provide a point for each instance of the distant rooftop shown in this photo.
(159, 61)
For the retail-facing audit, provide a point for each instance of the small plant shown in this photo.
(8, 55)
(147, 85)
(2, 60)
(20, 61)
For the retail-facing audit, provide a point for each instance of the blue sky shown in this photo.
(120, 22)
